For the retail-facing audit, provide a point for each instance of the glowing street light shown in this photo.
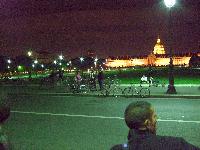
(81, 59)
(96, 59)
(35, 61)
(171, 88)
(29, 53)
(61, 57)
(9, 61)
(169, 3)
(55, 62)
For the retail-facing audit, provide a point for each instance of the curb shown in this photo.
(96, 95)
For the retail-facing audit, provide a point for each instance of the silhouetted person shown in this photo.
(4, 115)
(100, 77)
(141, 118)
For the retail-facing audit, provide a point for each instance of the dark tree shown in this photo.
(194, 61)
(86, 63)
(3, 64)
(23, 60)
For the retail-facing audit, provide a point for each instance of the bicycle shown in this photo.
(111, 88)
(47, 83)
(152, 82)
(132, 90)
(91, 83)
(80, 87)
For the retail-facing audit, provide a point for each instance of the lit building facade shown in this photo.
(158, 48)
(157, 58)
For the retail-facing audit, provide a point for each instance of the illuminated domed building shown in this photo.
(157, 58)
(158, 48)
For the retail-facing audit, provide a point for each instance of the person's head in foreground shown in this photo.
(141, 116)
(4, 115)
(141, 119)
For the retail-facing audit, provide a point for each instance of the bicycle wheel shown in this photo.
(84, 88)
(144, 92)
(92, 86)
(127, 92)
(104, 92)
(117, 91)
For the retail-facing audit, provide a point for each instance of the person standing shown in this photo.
(78, 80)
(100, 79)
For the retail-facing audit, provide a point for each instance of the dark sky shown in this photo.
(109, 27)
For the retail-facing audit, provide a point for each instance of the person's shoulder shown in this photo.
(176, 142)
(170, 139)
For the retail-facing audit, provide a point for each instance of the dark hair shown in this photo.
(4, 113)
(136, 113)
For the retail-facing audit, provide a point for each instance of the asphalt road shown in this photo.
(91, 123)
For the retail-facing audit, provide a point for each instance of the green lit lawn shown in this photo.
(133, 75)
(181, 75)
(177, 80)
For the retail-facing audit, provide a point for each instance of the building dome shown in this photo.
(158, 48)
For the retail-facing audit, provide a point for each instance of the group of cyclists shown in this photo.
(92, 79)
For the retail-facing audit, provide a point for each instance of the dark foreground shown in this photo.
(91, 123)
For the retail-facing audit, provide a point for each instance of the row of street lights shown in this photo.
(171, 88)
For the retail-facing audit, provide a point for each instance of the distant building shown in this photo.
(91, 53)
(157, 58)
(44, 56)
(158, 48)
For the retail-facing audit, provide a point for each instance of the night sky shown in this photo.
(109, 27)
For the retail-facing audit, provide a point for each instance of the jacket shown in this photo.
(144, 140)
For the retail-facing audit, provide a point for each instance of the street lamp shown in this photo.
(171, 88)
(170, 3)
(9, 61)
(35, 61)
(29, 53)
(81, 59)
(61, 57)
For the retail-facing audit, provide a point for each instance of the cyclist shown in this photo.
(143, 79)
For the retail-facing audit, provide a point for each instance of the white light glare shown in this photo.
(61, 57)
(96, 59)
(9, 61)
(170, 3)
(81, 59)
(29, 53)
(35, 61)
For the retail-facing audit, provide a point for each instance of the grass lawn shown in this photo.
(177, 80)
(181, 75)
